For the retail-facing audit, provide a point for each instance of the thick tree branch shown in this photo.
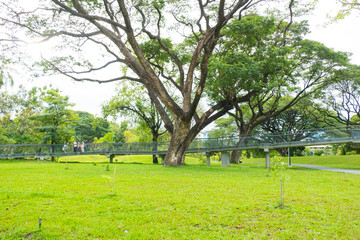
(162, 44)
(155, 83)
(90, 79)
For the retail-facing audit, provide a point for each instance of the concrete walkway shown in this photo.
(328, 168)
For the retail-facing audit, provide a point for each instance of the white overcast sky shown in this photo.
(341, 36)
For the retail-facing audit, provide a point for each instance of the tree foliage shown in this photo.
(56, 117)
(87, 127)
(134, 102)
(340, 102)
(347, 6)
(15, 117)
(273, 63)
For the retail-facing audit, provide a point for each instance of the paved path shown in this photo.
(328, 168)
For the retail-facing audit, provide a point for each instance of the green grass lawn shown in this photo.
(191, 202)
(342, 161)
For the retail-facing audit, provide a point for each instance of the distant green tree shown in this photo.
(83, 128)
(224, 127)
(119, 131)
(88, 127)
(56, 117)
(15, 116)
(8, 103)
(101, 126)
(24, 127)
(340, 104)
(134, 101)
(294, 122)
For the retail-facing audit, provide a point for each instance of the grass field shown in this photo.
(191, 202)
(343, 161)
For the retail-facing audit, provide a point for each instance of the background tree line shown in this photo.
(43, 115)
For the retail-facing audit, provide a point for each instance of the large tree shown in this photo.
(125, 31)
(282, 70)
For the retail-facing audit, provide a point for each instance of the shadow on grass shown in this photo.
(98, 163)
(32, 235)
(108, 196)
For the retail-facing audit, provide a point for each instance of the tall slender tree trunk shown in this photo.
(52, 151)
(155, 137)
(179, 143)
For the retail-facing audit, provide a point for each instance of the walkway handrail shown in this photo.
(258, 141)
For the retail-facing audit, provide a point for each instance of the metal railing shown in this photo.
(309, 137)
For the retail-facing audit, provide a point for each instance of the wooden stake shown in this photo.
(113, 188)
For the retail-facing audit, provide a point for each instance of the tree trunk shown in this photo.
(179, 143)
(52, 151)
(282, 151)
(155, 137)
(155, 159)
(235, 156)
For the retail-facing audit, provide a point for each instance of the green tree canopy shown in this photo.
(340, 101)
(88, 127)
(15, 117)
(134, 102)
(273, 63)
(56, 117)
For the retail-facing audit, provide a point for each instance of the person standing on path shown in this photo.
(82, 146)
(75, 146)
(64, 147)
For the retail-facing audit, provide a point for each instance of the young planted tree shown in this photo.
(124, 31)
(274, 63)
(278, 169)
(134, 102)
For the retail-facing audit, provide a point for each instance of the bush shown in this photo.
(307, 151)
(318, 152)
